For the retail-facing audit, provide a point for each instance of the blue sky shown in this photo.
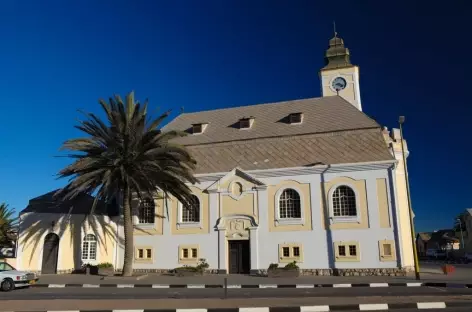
(60, 56)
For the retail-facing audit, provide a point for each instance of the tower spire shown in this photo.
(337, 55)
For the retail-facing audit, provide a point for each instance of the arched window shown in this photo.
(344, 202)
(191, 213)
(289, 205)
(89, 247)
(146, 211)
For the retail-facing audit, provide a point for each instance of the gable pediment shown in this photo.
(236, 176)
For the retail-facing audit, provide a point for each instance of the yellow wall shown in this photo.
(244, 205)
(304, 188)
(205, 206)
(32, 239)
(361, 192)
(382, 199)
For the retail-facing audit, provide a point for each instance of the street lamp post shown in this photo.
(462, 235)
(401, 120)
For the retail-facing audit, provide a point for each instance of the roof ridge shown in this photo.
(253, 105)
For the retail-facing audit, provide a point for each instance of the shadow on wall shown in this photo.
(69, 220)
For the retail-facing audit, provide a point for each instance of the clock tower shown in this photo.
(339, 76)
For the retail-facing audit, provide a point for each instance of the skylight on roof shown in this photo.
(296, 118)
(199, 128)
(246, 123)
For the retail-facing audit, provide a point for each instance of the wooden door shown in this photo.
(50, 254)
(239, 257)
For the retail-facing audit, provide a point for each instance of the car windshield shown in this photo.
(6, 267)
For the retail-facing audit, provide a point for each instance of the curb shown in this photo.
(261, 286)
(319, 308)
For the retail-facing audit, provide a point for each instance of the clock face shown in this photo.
(339, 83)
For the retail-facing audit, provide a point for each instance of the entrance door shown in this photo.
(239, 259)
(50, 253)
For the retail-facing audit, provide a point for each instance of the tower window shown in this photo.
(296, 118)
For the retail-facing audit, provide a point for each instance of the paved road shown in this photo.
(150, 293)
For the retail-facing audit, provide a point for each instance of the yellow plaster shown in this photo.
(382, 200)
(244, 205)
(348, 257)
(190, 259)
(360, 190)
(145, 258)
(292, 257)
(204, 205)
(304, 189)
(387, 257)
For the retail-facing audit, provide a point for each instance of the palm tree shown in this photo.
(8, 225)
(127, 155)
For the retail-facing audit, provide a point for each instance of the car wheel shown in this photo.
(7, 285)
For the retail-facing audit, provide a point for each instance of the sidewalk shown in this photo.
(427, 276)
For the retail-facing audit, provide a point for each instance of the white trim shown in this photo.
(289, 221)
(187, 225)
(347, 219)
(292, 171)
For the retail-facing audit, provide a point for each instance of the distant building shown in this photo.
(422, 240)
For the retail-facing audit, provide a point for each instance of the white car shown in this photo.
(10, 278)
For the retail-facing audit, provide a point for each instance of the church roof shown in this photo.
(333, 131)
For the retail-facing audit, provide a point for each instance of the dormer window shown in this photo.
(246, 123)
(199, 128)
(296, 118)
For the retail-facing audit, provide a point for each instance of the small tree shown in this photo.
(8, 226)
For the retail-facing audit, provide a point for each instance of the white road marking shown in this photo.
(191, 310)
(373, 307)
(431, 305)
(414, 284)
(160, 286)
(233, 286)
(125, 286)
(196, 286)
(342, 285)
(315, 309)
(267, 285)
(57, 285)
(90, 286)
(378, 284)
(305, 286)
(253, 309)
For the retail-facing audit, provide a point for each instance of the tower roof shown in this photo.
(337, 55)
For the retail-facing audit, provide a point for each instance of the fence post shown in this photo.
(226, 287)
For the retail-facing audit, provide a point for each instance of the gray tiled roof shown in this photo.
(325, 114)
(333, 132)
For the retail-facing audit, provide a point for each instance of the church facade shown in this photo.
(314, 181)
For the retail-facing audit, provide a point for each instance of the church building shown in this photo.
(314, 181)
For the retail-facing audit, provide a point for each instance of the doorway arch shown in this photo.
(50, 254)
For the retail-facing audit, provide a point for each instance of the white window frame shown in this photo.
(92, 261)
(289, 221)
(187, 225)
(346, 219)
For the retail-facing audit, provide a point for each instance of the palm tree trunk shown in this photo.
(128, 229)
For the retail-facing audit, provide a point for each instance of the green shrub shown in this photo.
(291, 266)
(105, 265)
(273, 266)
(187, 268)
